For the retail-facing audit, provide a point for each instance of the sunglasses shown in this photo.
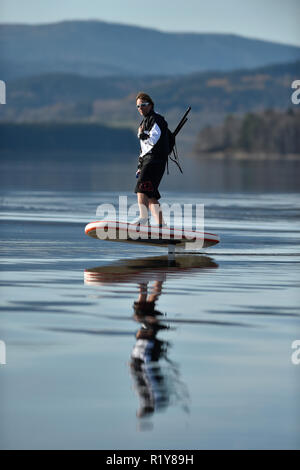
(142, 105)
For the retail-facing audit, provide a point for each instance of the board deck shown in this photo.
(150, 235)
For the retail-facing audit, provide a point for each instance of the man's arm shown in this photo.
(150, 137)
(154, 134)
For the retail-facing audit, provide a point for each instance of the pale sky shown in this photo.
(275, 20)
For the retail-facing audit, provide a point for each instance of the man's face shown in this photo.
(143, 107)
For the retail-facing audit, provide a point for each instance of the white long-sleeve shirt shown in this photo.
(153, 136)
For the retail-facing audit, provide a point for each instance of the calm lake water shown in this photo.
(110, 346)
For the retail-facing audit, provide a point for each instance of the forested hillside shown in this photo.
(257, 135)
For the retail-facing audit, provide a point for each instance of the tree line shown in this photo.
(269, 132)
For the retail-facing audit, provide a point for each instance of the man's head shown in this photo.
(144, 103)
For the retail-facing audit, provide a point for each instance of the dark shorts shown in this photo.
(150, 176)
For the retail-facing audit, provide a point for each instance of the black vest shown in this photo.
(161, 149)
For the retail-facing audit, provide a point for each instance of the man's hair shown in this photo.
(144, 97)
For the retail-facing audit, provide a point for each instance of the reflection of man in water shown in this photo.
(153, 384)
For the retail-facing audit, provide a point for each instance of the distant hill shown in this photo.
(110, 100)
(237, 91)
(97, 48)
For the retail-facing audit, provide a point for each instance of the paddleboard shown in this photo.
(146, 234)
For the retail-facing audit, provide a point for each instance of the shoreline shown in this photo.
(245, 156)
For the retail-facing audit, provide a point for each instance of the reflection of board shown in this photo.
(146, 269)
(124, 232)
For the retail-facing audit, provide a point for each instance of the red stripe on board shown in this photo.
(171, 237)
(148, 226)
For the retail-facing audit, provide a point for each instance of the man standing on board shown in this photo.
(152, 160)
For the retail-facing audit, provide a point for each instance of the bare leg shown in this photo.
(156, 210)
(143, 202)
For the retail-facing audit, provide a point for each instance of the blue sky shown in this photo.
(275, 20)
